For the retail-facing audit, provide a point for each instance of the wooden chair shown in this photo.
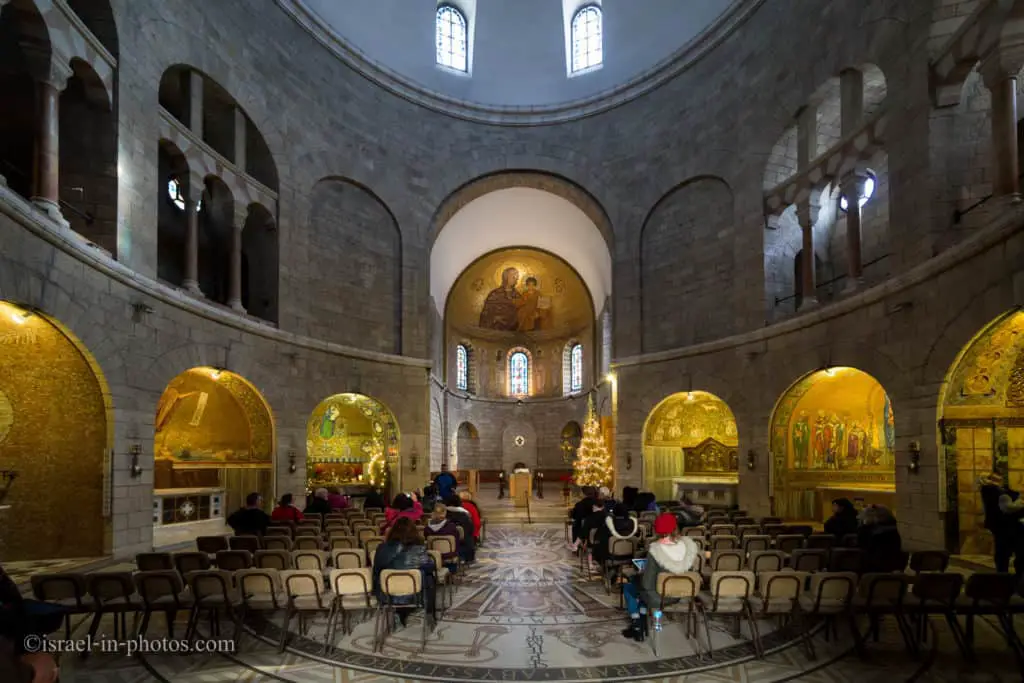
(233, 560)
(306, 596)
(161, 591)
(273, 559)
(68, 591)
(353, 592)
(678, 596)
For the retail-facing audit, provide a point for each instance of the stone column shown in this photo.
(235, 284)
(853, 188)
(808, 278)
(195, 108)
(193, 196)
(999, 71)
(52, 73)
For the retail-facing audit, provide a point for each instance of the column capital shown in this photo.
(807, 213)
(240, 217)
(48, 66)
(1006, 59)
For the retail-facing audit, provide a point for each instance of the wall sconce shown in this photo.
(629, 461)
(751, 459)
(414, 459)
(292, 467)
(135, 469)
(915, 457)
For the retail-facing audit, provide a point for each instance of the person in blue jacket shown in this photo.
(445, 483)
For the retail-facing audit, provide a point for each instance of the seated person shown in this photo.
(843, 520)
(671, 553)
(374, 501)
(594, 521)
(286, 511)
(440, 525)
(338, 500)
(474, 513)
(619, 524)
(401, 506)
(879, 539)
(460, 516)
(579, 513)
(318, 504)
(404, 549)
(250, 520)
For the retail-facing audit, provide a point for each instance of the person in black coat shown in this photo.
(879, 539)
(460, 515)
(404, 549)
(843, 520)
(250, 520)
(619, 524)
(1003, 512)
(318, 504)
(374, 500)
(580, 511)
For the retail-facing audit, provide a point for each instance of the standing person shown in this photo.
(445, 483)
(318, 504)
(404, 549)
(1004, 509)
(843, 520)
(286, 511)
(671, 553)
(250, 520)
(440, 525)
(460, 516)
(879, 539)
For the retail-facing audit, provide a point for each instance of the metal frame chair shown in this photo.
(682, 589)
(161, 591)
(829, 596)
(273, 559)
(778, 594)
(306, 595)
(880, 595)
(233, 560)
(213, 591)
(66, 590)
(399, 583)
(353, 591)
(729, 594)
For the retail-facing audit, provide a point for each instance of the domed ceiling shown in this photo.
(518, 50)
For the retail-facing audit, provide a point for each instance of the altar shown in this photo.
(520, 484)
(707, 491)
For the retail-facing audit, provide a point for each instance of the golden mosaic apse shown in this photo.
(689, 433)
(344, 434)
(210, 416)
(54, 424)
(833, 433)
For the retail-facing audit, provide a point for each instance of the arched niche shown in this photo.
(981, 421)
(832, 436)
(352, 440)
(98, 17)
(467, 447)
(172, 188)
(690, 438)
(216, 219)
(56, 426)
(260, 263)
(213, 445)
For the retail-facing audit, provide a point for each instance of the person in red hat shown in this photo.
(672, 553)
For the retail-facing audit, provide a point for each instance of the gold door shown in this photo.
(974, 457)
(240, 482)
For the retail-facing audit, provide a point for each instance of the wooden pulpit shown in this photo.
(519, 487)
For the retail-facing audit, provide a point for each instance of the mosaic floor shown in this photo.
(524, 612)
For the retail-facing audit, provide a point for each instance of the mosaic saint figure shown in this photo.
(820, 439)
(801, 440)
(838, 443)
(500, 311)
(528, 313)
(889, 427)
(327, 424)
(854, 444)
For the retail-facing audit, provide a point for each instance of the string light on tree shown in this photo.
(377, 470)
(593, 466)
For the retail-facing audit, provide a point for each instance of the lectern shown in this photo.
(520, 485)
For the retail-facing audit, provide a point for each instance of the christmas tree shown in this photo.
(593, 466)
(377, 471)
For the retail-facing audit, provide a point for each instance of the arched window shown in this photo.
(576, 369)
(452, 37)
(587, 48)
(869, 189)
(519, 373)
(461, 368)
(177, 195)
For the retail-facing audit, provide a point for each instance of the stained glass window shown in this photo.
(576, 371)
(451, 36)
(519, 374)
(461, 368)
(587, 48)
(177, 195)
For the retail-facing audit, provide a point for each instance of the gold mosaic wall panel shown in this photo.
(703, 425)
(988, 380)
(341, 436)
(53, 432)
(208, 416)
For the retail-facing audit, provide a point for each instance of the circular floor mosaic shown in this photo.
(524, 612)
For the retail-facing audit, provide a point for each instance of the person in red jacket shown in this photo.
(402, 506)
(285, 511)
(474, 513)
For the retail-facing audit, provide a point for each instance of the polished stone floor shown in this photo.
(525, 612)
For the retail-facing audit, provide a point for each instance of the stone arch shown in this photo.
(355, 237)
(352, 438)
(216, 223)
(212, 430)
(98, 17)
(88, 157)
(260, 263)
(832, 434)
(686, 265)
(539, 180)
(49, 379)
(172, 218)
(981, 427)
(467, 446)
(690, 434)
